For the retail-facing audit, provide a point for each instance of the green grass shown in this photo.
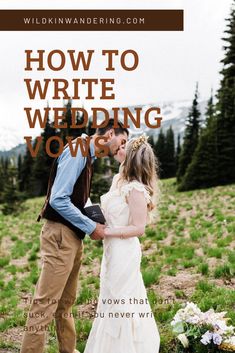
(224, 271)
(4, 261)
(180, 294)
(86, 294)
(151, 276)
(193, 236)
(203, 268)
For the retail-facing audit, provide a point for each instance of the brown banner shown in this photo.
(91, 20)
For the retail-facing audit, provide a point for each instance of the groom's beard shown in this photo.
(111, 152)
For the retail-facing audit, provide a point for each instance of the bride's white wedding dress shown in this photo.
(124, 321)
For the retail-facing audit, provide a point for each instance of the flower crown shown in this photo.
(139, 141)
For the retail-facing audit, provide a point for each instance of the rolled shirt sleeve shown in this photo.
(68, 170)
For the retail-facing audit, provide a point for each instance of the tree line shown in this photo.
(208, 152)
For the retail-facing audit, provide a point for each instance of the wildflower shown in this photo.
(183, 339)
(206, 338)
(217, 339)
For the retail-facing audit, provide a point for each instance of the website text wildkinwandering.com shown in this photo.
(83, 20)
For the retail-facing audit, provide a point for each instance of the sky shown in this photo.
(170, 63)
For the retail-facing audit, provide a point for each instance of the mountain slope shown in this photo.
(173, 113)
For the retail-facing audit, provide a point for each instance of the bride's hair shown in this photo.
(141, 164)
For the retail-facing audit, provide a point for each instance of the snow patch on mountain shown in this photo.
(173, 114)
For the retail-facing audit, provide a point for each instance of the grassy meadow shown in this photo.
(187, 256)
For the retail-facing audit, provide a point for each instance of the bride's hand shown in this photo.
(106, 231)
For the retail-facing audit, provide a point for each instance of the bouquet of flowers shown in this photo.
(199, 331)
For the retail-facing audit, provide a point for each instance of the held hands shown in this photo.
(103, 231)
(107, 231)
(117, 232)
(98, 233)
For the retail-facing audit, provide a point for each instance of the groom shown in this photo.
(62, 242)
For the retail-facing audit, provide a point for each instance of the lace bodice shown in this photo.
(114, 203)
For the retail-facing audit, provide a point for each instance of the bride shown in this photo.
(124, 322)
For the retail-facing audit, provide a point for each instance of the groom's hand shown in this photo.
(98, 233)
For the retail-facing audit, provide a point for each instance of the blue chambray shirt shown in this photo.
(68, 170)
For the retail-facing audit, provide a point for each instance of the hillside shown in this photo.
(187, 255)
(14, 152)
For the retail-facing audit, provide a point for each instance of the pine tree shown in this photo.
(79, 121)
(151, 141)
(190, 138)
(10, 195)
(66, 120)
(19, 170)
(160, 153)
(170, 154)
(3, 175)
(226, 108)
(89, 130)
(210, 111)
(25, 183)
(102, 178)
(6, 164)
(43, 162)
(68, 131)
(202, 171)
(214, 159)
(178, 150)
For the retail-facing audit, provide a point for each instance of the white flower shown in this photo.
(220, 325)
(206, 338)
(190, 313)
(183, 339)
(192, 309)
(222, 329)
(217, 339)
(209, 317)
(177, 318)
(193, 320)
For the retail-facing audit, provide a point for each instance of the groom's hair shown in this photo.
(117, 130)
